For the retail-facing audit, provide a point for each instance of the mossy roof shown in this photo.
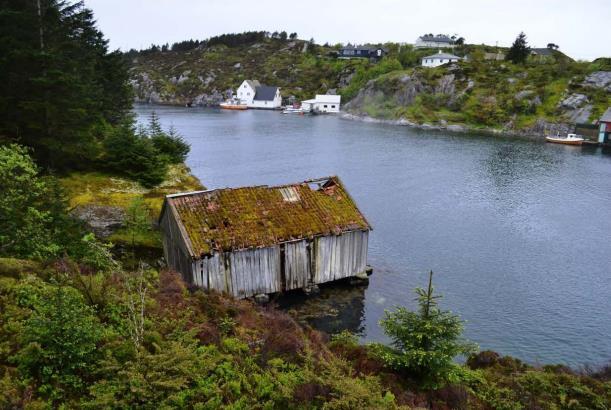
(259, 216)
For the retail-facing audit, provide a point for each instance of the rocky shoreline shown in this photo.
(541, 128)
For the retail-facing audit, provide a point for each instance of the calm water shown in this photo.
(518, 232)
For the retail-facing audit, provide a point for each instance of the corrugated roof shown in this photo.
(249, 217)
(606, 117)
(265, 93)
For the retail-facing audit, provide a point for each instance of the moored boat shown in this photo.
(233, 105)
(570, 139)
(292, 110)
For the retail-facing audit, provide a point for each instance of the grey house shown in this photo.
(262, 240)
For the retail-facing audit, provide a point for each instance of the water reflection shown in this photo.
(339, 306)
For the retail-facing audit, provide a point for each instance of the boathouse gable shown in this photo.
(262, 240)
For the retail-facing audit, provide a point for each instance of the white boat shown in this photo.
(570, 139)
(292, 110)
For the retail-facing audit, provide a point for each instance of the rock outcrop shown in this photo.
(599, 79)
(102, 220)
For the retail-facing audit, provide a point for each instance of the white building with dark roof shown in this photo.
(438, 59)
(434, 41)
(255, 95)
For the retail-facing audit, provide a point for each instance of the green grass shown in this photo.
(107, 190)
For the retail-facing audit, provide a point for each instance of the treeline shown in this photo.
(229, 40)
(67, 98)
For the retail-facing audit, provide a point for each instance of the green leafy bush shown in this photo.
(59, 341)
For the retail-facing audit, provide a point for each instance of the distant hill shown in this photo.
(204, 73)
(548, 91)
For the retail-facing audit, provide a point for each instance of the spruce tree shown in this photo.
(519, 51)
(58, 83)
(424, 343)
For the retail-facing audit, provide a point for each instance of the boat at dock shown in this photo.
(292, 110)
(233, 105)
(570, 139)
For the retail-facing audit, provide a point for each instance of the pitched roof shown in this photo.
(265, 93)
(606, 117)
(440, 38)
(253, 84)
(259, 216)
(542, 51)
(367, 47)
(442, 55)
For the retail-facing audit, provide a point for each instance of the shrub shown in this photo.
(33, 219)
(59, 342)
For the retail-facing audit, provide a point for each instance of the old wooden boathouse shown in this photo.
(261, 240)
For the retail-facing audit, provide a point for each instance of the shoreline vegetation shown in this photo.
(89, 316)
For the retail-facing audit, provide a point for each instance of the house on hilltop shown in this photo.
(434, 41)
(371, 52)
(261, 239)
(438, 59)
(255, 95)
(542, 54)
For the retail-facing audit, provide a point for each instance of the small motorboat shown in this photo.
(570, 139)
(233, 105)
(292, 110)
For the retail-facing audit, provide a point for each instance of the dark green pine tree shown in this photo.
(519, 51)
(59, 85)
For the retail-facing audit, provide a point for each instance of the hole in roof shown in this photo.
(315, 186)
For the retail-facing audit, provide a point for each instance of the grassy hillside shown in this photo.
(494, 94)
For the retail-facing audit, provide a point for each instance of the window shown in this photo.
(325, 105)
(333, 106)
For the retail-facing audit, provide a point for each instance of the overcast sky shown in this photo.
(580, 27)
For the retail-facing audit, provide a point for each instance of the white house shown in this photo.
(431, 41)
(438, 59)
(322, 103)
(255, 95)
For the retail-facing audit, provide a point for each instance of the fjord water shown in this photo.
(518, 232)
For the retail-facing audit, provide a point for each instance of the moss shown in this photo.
(13, 268)
(107, 190)
(258, 216)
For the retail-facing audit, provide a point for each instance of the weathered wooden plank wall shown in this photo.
(174, 249)
(255, 271)
(340, 256)
(249, 272)
(297, 271)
